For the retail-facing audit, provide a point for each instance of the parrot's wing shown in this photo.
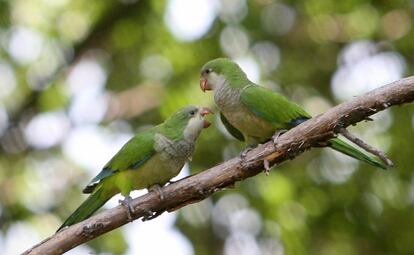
(232, 130)
(132, 155)
(272, 106)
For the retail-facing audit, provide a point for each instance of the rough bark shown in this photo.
(199, 186)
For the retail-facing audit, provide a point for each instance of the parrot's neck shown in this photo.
(193, 129)
(227, 97)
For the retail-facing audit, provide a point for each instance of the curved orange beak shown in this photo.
(203, 112)
(204, 84)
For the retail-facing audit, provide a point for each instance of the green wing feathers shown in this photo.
(341, 146)
(132, 155)
(271, 106)
(95, 201)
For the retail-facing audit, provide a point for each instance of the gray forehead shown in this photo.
(189, 108)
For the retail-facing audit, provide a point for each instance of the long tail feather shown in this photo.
(95, 201)
(346, 148)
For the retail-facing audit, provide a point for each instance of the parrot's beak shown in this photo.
(203, 112)
(204, 84)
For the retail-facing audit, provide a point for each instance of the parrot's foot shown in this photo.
(157, 188)
(127, 203)
(266, 167)
(277, 134)
(246, 150)
(243, 155)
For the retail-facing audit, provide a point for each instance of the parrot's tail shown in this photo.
(95, 200)
(341, 146)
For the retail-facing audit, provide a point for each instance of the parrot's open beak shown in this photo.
(203, 112)
(204, 84)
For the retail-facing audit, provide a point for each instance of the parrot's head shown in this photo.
(217, 72)
(190, 121)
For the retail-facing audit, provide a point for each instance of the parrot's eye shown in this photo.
(207, 71)
(192, 113)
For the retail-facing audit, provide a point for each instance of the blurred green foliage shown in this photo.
(77, 74)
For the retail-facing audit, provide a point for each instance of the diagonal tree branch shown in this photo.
(199, 186)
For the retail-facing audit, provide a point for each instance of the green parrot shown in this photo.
(255, 114)
(148, 160)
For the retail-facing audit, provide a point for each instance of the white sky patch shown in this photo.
(90, 106)
(241, 243)
(246, 220)
(219, 124)
(86, 82)
(234, 41)
(183, 173)
(356, 51)
(250, 67)
(157, 236)
(19, 237)
(47, 129)
(87, 74)
(80, 250)
(25, 45)
(190, 20)
(8, 80)
(363, 70)
(92, 147)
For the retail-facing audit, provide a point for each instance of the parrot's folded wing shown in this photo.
(132, 155)
(272, 106)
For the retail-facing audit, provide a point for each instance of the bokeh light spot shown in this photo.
(233, 11)
(190, 20)
(47, 129)
(8, 80)
(25, 44)
(234, 41)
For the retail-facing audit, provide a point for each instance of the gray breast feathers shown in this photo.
(227, 99)
(169, 149)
